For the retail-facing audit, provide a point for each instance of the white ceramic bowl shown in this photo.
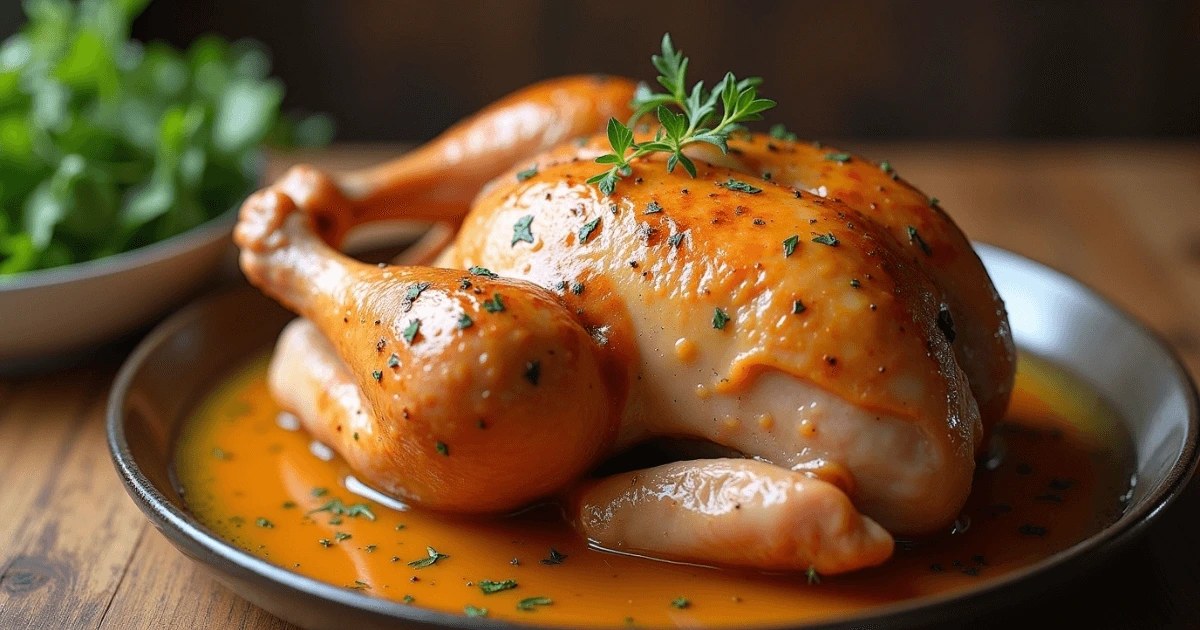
(52, 316)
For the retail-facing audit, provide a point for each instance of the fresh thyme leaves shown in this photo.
(488, 587)
(494, 305)
(442, 448)
(527, 173)
(481, 271)
(429, 560)
(653, 208)
(735, 185)
(472, 611)
(410, 331)
(779, 132)
(789, 245)
(555, 558)
(840, 158)
(465, 321)
(798, 307)
(697, 120)
(530, 604)
(826, 239)
(336, 507)
(915, 237)
(587, 229)
(813, 576)
(521, 231)
(533, 371)
(720, 318)
(262, 522)
(681, 603)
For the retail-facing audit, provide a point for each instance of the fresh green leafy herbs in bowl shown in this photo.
(108, 145)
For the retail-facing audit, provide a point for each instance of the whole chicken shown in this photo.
(819, 319)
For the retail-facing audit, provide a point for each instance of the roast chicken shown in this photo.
(821, 321)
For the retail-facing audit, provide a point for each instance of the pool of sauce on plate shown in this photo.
(1059, 472)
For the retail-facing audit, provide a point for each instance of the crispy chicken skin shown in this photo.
(816, 315)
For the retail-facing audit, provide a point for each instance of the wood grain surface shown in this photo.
(76, 553)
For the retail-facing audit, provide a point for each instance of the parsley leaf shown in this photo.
(410, 331)
(481, 271)
(527, 173)
(489, 587)
(587, 229)
(720, 318)
(826, 239)
(789, 245)
(735, 185)
(531, 603)
(472, 611)
(494, 305)
(521, 231)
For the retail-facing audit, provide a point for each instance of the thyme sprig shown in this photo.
(696, 121)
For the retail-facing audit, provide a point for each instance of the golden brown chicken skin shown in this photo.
(778, 304)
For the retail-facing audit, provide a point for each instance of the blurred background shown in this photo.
(406, 69)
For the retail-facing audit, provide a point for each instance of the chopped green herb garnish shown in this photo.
(933, 202)
(533, 371)
(734, 184)
(720, 318)
(681, 603)
(798, 307)
(319, 492)
(653, 208)
(555, 557)
(325, 542)
(826, 239)
(481, 271)
(377, 375)
(336, 507)
(413, 293)
(675, 239)
(494, 305)
(780, 132)
(854, 283)
(370, 548)
(587, 229)
(288, 505)
(488, 587)
(393, 361)
(262, 522)
(356, 436)
(429, 560)
(886, 167)
(442, 448)
(400, 526)
(464, 284)
(576, 288)
(342, 536)
(522, 231)
(472, 611)
(813, 576)
(915, 237)
(408, 599)
(789, 245)
(465, 321)
(840, 158)
(697, 120)
(410, 331)
(531, 603)
(527, 173)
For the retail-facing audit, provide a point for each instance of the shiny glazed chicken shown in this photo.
(818, 318)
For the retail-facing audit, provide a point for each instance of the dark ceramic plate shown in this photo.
(1052, 316)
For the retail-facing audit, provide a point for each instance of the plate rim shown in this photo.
(182, 528)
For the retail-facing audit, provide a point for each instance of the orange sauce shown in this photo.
(1058, 471)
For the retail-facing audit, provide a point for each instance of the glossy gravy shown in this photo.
(1059, 472)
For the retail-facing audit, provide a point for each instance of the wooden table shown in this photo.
(76, 553)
